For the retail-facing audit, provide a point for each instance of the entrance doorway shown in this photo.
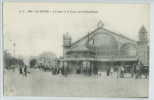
(78, 71)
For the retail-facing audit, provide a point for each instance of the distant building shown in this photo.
(102, 48)
(47, 58)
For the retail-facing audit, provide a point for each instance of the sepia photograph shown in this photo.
(76, 49)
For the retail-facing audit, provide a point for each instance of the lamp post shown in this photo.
(87, 54)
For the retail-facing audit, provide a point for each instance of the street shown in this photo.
(40, 83)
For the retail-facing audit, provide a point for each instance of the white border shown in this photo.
(151, 84)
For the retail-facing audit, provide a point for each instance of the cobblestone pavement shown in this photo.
(40, 83)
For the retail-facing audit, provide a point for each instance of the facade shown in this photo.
(102, 49)
(46, 59)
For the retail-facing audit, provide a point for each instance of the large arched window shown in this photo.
(128, 50)
(104, 45)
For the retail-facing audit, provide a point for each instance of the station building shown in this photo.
(102, 49)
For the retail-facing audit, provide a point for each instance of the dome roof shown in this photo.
(142, 30)
(67, 36)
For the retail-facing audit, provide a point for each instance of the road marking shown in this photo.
(13, 89)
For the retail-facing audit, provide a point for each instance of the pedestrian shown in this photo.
(52, 70)
(108, 71)
(20, 70)
(57, 70)
(65, 71)
(122, 71)
(140, 71)
(13, 68)
(111, 71)
(25, 71)
(89, 71)
(45, 68)
(118, 71)
(137, 72)
(62, 70)
(132, 72)
(96, 71)
(146, 72)
(86, 71)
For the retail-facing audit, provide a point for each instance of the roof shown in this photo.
(79, 48)
(67, 36)
(105, 30)
(85, 36)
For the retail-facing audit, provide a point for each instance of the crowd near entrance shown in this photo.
(81, 67)
(98, 67)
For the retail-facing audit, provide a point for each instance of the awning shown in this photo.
(117, 59)
(100, 59)
(79, 59)
(80, 48)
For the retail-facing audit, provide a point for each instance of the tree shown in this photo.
(32, 63)
(9, 60)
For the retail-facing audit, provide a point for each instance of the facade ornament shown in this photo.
(100, 24)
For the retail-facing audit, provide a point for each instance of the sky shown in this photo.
(35, 32)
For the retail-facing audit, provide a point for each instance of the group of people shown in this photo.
(64, 71)
(55, 71)
(23, 72)
(110, 71)
(120, 72)
(137, 71)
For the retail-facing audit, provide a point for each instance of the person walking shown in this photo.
(65, 71)
(25, 71)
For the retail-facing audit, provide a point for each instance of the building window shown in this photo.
(91, 42)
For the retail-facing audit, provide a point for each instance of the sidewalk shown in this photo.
(8, 86)
(12, 80)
